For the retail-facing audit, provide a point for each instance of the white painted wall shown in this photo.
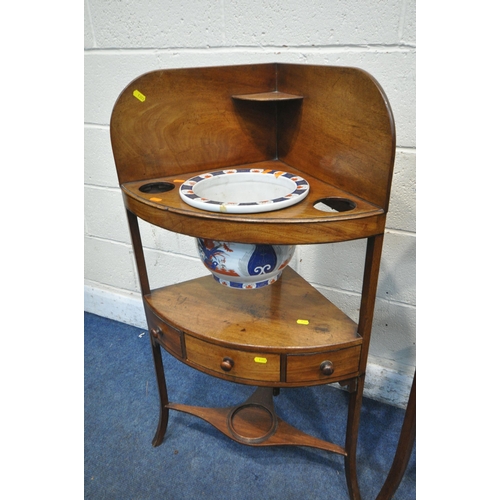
(124, 39)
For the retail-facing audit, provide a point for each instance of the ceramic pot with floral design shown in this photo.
(243, 265)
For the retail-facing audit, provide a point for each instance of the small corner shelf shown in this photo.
(268, 96)
(341, 139)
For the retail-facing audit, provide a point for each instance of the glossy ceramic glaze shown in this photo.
(248, 190)
(245, 266)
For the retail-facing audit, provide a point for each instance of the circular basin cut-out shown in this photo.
(156, 187)
(334, 204)
(250, 190)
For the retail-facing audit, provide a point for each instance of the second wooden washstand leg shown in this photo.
(353, 415)
(135, 235)
(162, 391)
(368, 296)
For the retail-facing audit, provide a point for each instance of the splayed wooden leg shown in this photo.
(354, 413)
(162, 390)
(405, 447)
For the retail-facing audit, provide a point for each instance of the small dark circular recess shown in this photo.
(335, 204)
(156, 187)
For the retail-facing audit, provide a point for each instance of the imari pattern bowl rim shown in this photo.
(293, 189)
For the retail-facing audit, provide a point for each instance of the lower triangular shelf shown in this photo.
(287, 316)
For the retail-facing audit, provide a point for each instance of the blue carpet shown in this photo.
(195, 460)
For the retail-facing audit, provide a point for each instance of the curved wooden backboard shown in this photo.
(184, 120)
(179, 121)
(343, 132)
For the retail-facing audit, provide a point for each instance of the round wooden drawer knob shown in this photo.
(156, 332)
(326, 368)
(227, 364)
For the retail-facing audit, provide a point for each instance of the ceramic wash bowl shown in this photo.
(242, 265)
(239, 191)
(244, 190)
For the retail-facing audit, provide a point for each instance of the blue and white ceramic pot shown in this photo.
(242, 265)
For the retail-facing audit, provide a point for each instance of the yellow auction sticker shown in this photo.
(258, 359)
(303, 321)
(139, 95)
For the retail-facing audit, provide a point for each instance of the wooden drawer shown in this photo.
(310, 367)
(239, 364)
(168, 336)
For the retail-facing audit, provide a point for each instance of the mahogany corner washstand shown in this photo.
(331, 125)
